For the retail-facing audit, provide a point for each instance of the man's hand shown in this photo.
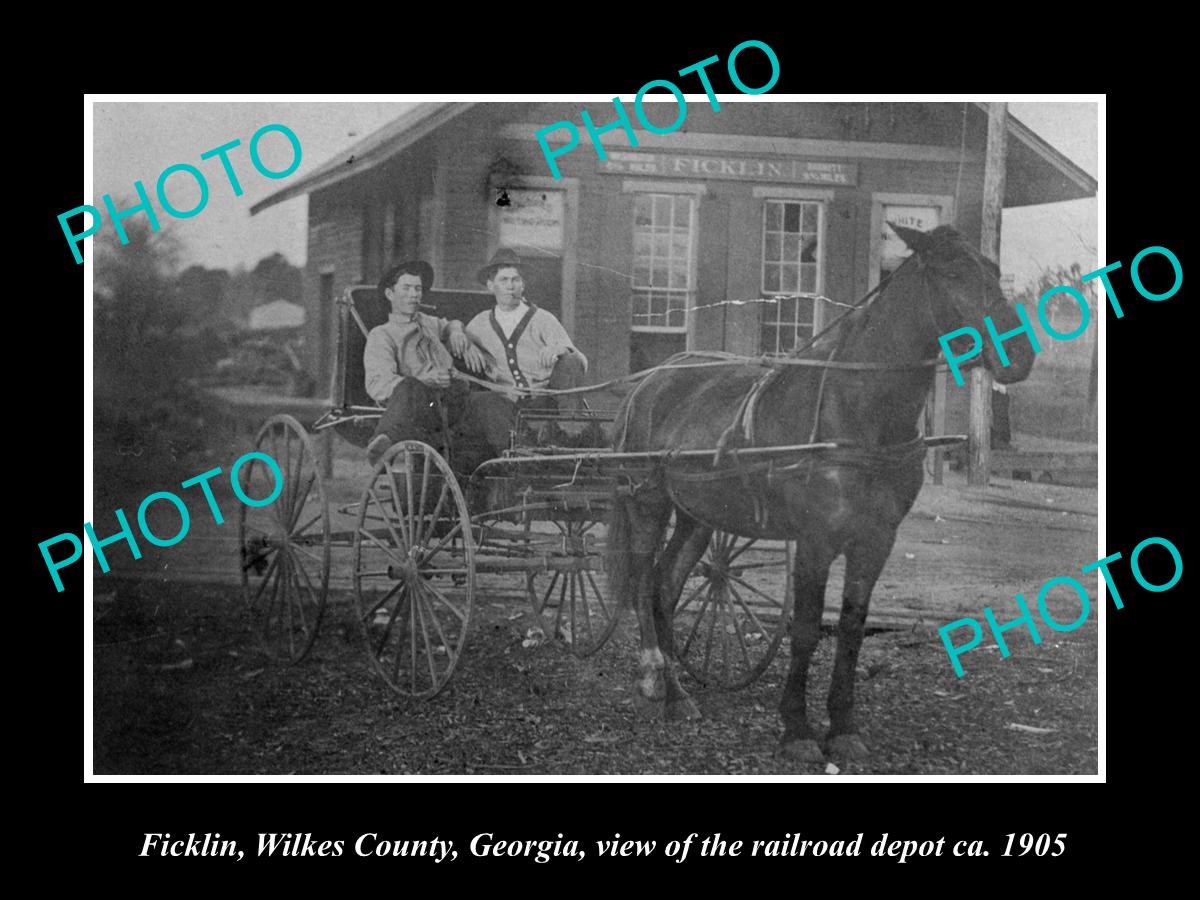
(474, 359)
(458, 340)
(436, 379)
(549, 356)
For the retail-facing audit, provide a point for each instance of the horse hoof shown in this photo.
(847, 746)
(802, 750)
(684, 710)
(652, 688)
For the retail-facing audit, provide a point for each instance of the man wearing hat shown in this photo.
(408, 366)
(525, 346)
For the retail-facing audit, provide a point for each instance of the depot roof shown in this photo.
(1037, 172)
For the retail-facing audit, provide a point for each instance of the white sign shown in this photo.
(532, 218)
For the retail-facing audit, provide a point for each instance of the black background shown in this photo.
(1149, 407)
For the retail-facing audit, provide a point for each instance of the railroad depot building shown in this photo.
(635, 254)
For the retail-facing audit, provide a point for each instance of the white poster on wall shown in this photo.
(532, 218)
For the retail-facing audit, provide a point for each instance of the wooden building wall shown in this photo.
(445, 187)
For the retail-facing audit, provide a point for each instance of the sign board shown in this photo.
(533, 218)
(743, 168)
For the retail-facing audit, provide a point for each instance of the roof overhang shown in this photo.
(371, 151)
(1037, 172)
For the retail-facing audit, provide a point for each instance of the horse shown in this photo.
(861, 386)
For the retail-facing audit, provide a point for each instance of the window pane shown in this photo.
(772, 247)
(804, 313)
(641, 209)
(787, 339)
(679, 274)
(677, 318)
(659, 276)
(787, 310)
(810, 217)
(771, 278)
(808, 249)
(662, 247)
(662, 210)
(789, 278)
(682, 216)
(791, 248)
(773, 216)
(679, 245)
(808, 277)
(641, 275)
(791, 217)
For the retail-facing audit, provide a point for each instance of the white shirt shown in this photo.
(510, 319)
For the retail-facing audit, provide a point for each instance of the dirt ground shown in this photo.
(181, 686)
(525, 711)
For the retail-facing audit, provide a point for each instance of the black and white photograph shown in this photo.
(741, 435)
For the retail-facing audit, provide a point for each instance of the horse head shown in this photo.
(963, 288)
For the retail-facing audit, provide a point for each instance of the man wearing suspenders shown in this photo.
(527, 346)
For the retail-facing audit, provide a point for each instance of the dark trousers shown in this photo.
(414, 413)
(496, 415)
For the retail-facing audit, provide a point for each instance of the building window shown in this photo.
(791, 265)
(663, 280)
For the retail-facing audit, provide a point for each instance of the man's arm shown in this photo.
(556, 340)
(379, 362)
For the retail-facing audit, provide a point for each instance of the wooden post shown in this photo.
(939, 423)
(979, 446)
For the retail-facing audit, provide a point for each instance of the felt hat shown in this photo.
(421, 268)
(500, 259)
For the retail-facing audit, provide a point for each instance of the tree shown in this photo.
(135, 296)
(204, 292)
(277, 279)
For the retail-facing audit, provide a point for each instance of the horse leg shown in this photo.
(647, 521)
(865, 559)
(683, 551)
(810, 573)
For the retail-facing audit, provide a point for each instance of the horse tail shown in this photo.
(618, 553)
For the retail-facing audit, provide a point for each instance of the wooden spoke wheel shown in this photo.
(571, 595)
(734, 610)
(414, 570)
(285, 544)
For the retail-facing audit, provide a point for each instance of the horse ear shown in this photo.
(915, 240)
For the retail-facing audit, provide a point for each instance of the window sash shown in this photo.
(664, 277)
(788, 227)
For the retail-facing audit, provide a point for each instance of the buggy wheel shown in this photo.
(285, 544)
(734, 610)
(414, 570)
(571, 596)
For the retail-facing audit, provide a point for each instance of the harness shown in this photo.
(757, 476)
